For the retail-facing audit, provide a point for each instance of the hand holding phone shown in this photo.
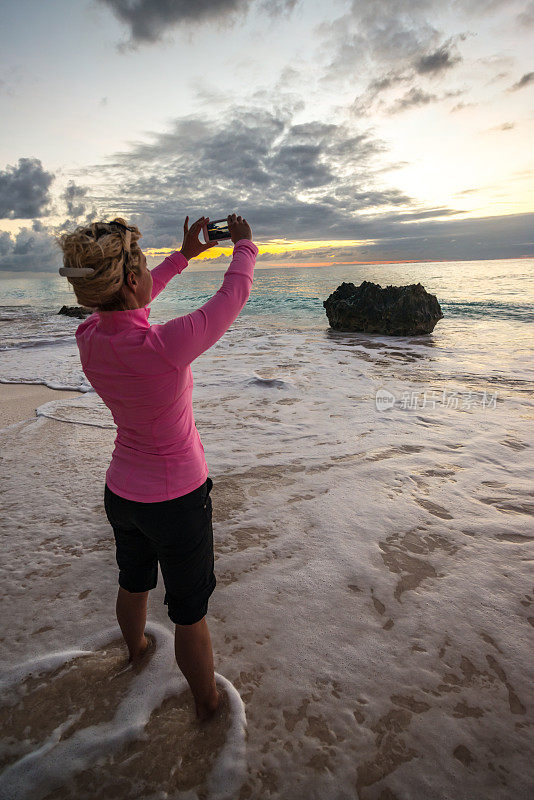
(192, 246)
(239, 228)
(233, 227)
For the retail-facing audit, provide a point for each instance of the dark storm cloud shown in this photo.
(522, 82)
(24, 190)
(439, 61)
(469, 239)
(31, 249)
(150, 20)
(304, 178)
(395, 238)
(73, 195)
(295, 181)
(6, 243)
(505, 236)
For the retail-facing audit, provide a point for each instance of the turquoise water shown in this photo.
(463, 288)
(487, 307)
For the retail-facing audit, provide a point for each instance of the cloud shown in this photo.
(413, 98)
(372, 101)
(526, 18)
(71, 194)
(10, 80)
(394, 40)
(461, 106)
(436, 62)
(398, 237)
(395, 35)
(313, 180)
(386, 81)
(24, 190)
(505, 126)
(416, 97)
(385, 237)
(392, 239)
(299, 177)
(525, 80)
(150, 20)
(378, 36)
(504, 236)
(373, 47)
(32, 249)
(6, 243)
(277, 8)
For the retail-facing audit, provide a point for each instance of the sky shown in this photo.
(344, 132)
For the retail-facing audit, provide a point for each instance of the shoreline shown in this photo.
(19, 401)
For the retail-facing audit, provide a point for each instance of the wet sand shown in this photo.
(18, 401)
(373, 610)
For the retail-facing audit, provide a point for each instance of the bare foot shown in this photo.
(208, 710)
(148, 644)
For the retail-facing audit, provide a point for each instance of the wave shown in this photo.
(523, 312)
(39, 342)
(70, 750)
(61, 387)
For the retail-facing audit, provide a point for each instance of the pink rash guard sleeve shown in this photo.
(162, 274)
(183, 339)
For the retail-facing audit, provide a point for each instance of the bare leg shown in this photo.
(194, 655)
(131, 616)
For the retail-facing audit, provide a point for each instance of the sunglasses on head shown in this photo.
(120, 225)
(103, 231)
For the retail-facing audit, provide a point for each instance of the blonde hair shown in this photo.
(111, 252)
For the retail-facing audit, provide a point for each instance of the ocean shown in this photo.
(372, 507)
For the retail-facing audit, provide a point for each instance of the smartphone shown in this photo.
(216, 229)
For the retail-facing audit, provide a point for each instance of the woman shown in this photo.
(157, 487)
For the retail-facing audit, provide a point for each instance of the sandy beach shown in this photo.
(18, 401)
(372, 614)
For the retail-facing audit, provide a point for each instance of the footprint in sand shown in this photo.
(380, 607)
(85, 724)
(433, 508)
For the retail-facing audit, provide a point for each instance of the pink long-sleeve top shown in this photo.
(143, 374)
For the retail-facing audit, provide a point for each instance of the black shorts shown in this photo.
(176, 533)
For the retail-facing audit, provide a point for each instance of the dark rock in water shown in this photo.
(76, 311)
(395, 310)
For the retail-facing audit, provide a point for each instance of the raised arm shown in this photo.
(171, 266)
(178, 261)
(183, 339)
